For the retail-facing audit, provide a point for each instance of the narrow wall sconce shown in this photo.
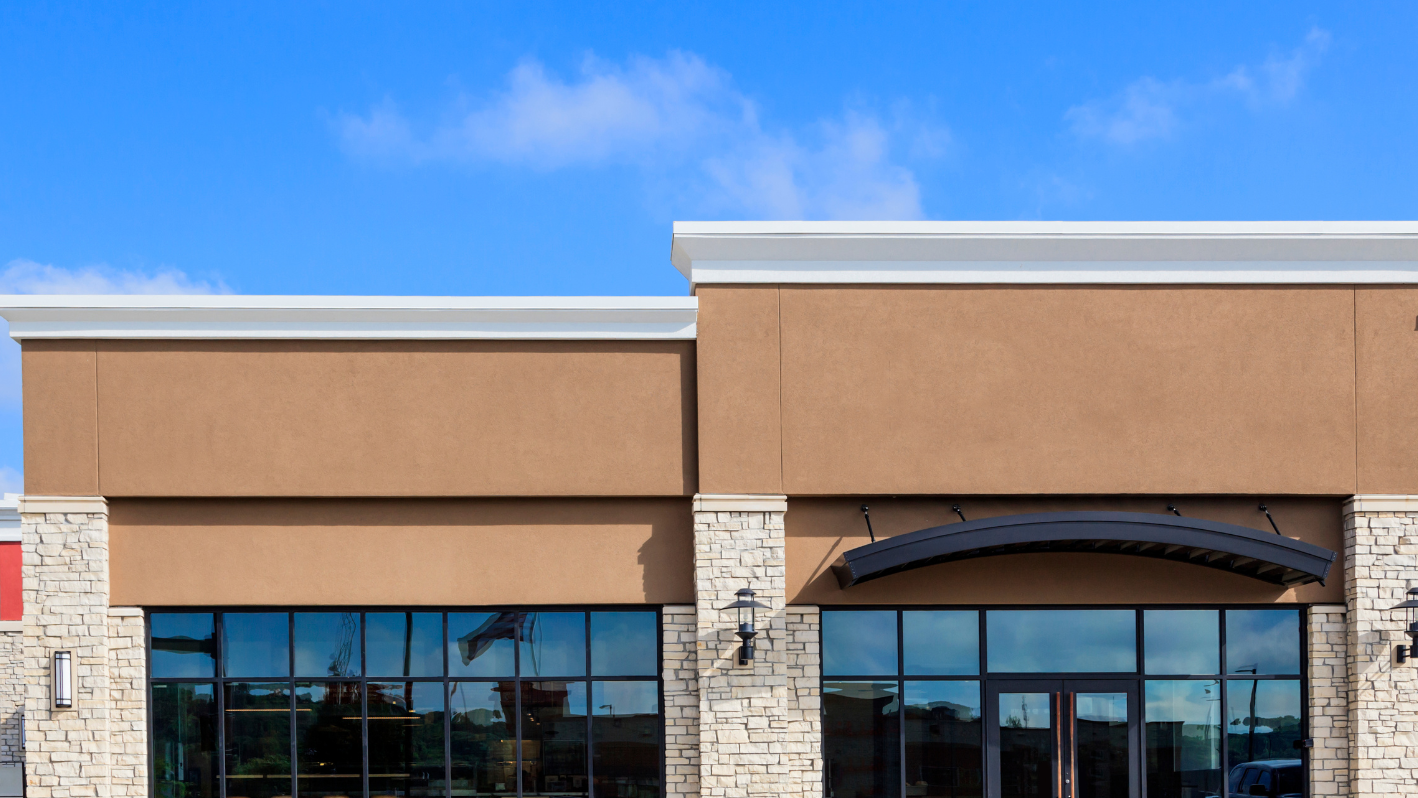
(746, 631)
(63, 673)
(1410, 625)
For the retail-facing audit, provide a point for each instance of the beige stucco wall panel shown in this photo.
(740, 441)
(60, 418)
(1386, 321)
(820, 530)
(401, 552)
(310, 418)
(1057, 390)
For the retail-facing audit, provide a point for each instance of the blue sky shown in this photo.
(532, 148)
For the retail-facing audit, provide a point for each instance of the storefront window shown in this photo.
(346, 703)
(912, 724)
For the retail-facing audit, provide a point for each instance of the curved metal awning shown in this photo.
(1241, 550)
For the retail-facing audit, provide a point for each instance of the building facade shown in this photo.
(1026, 511)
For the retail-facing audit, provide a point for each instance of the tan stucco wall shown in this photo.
(819, 530)
(1387, 389)
(300, 418)
(400, 551)
(740, 431)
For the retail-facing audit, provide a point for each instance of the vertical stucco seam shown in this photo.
(782, 478)
(1354, 295)
(98, 435)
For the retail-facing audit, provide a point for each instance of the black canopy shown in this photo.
(1249, 552)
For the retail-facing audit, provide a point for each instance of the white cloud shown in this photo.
(678, 119)
(1149, 108)
(22, 276)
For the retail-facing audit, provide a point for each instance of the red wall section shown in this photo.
(11, 606)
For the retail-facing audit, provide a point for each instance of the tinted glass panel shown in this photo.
(943, 753)
(184, 645)
(1183, 723)
(328, 747)
(1100, 742)
(480, 643)
(554, 738)
(405, 738)
(625, 728)
(257, 740)
(404, 643)
(624, 644)
(1262, 720)
(945, 643)
(859, 643)
(256, 644)
(1263, 641)
(1026, 752)
(327, 644)
(1181, 641)
(554, 644)
(1062, 641)
(861, 742)
(185, 741)
(483, 746)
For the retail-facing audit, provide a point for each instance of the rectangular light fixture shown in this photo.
(63, 680)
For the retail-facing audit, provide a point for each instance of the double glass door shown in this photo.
(1059, 738)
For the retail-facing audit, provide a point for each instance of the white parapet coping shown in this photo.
(1047, 252)
(740, 503)
(63, 504)
(1381, 503)
(350, 318)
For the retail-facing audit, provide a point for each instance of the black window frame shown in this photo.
(1139, 676)
(219, 680)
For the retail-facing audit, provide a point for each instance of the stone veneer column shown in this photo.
(1329, 701)
(681, 678)
(756, 736)
(97, 748)
(12, 692)
(1380, 544)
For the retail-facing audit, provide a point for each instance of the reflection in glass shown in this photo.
(1181, 642)
(1183, 722)
(859, 643)
(1262, 719)
(943, 739)
(257, 740)
(1062, 641)
(185, 740)
(1026, 753)
(484, 750)
(480, 643)
(327, 644)
(553, 644)
(405, 738)
(624, 644)
(328, 748)
(941, 643)
(404, 643)
(255, 644)
(554, 738)
(1263, 641)
(625, 728)
(1100, 745)
(184, 645)
(860, 732)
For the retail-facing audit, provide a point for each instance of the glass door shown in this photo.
(1063, 738)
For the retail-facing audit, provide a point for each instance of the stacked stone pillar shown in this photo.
(757, 734)
(1380, 564)
(97, 747)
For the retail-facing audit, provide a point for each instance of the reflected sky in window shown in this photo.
(404, 643)
(1181, 641)
(1263, 641)
(554, 644)
(1062, 641)
(624, 644)
(184, 645)
(327, 644)
(256, 644)
(941, 642)
(859, 643)
(480, 643)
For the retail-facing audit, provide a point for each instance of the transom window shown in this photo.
(345, 703)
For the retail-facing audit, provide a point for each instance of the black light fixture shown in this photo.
(1410, 625)
(746, 632)
(63, 677)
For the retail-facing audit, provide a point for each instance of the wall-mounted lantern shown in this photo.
(746, 631)
(1410, 625)
(63, 673)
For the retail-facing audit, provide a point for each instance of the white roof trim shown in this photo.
(1047, 252)
(351, 318)
(9, 517)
